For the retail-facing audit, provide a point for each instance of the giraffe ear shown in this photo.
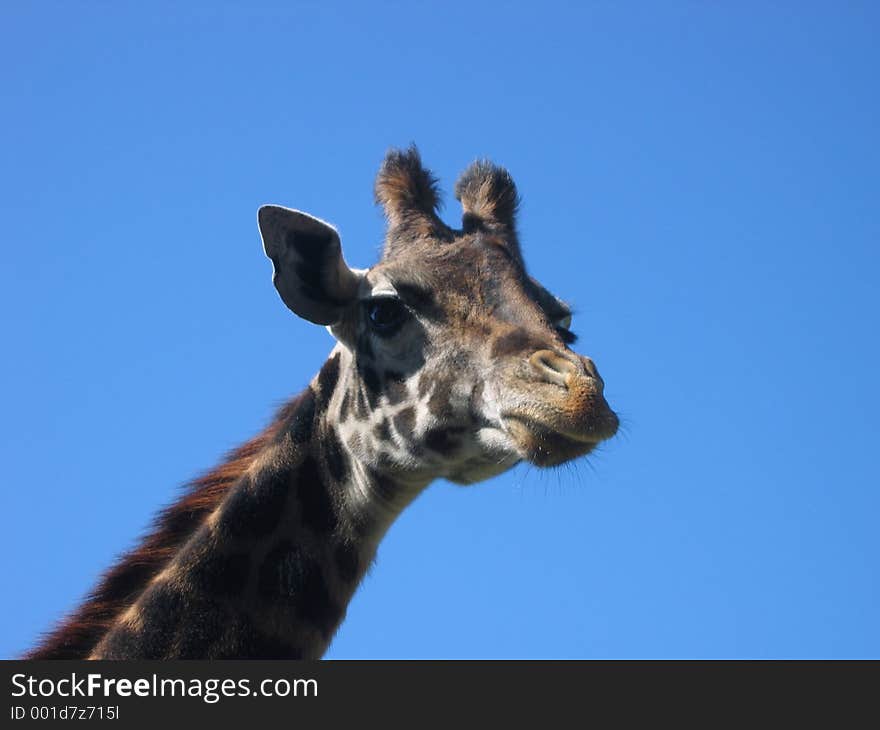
(309, 272)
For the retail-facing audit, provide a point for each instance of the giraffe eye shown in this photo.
(563, 327)
(385, 314)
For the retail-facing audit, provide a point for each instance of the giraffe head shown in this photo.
(452, 361)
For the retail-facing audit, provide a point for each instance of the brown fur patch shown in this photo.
(439, 404)
(77, 635)
(515, 342)
(395, 388)
(405, 421)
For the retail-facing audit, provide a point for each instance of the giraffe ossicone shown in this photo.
(451, 362)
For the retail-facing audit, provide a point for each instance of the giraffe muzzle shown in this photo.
(563, 413)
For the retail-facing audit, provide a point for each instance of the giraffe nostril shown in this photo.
(552, 367)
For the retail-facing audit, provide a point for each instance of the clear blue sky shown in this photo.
(699, 179)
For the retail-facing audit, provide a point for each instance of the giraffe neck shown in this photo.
(270, 571)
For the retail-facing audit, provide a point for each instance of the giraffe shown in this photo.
(450, 362)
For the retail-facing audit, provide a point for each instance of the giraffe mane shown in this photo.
(77, 634)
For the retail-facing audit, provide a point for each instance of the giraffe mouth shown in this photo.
(544, 444)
